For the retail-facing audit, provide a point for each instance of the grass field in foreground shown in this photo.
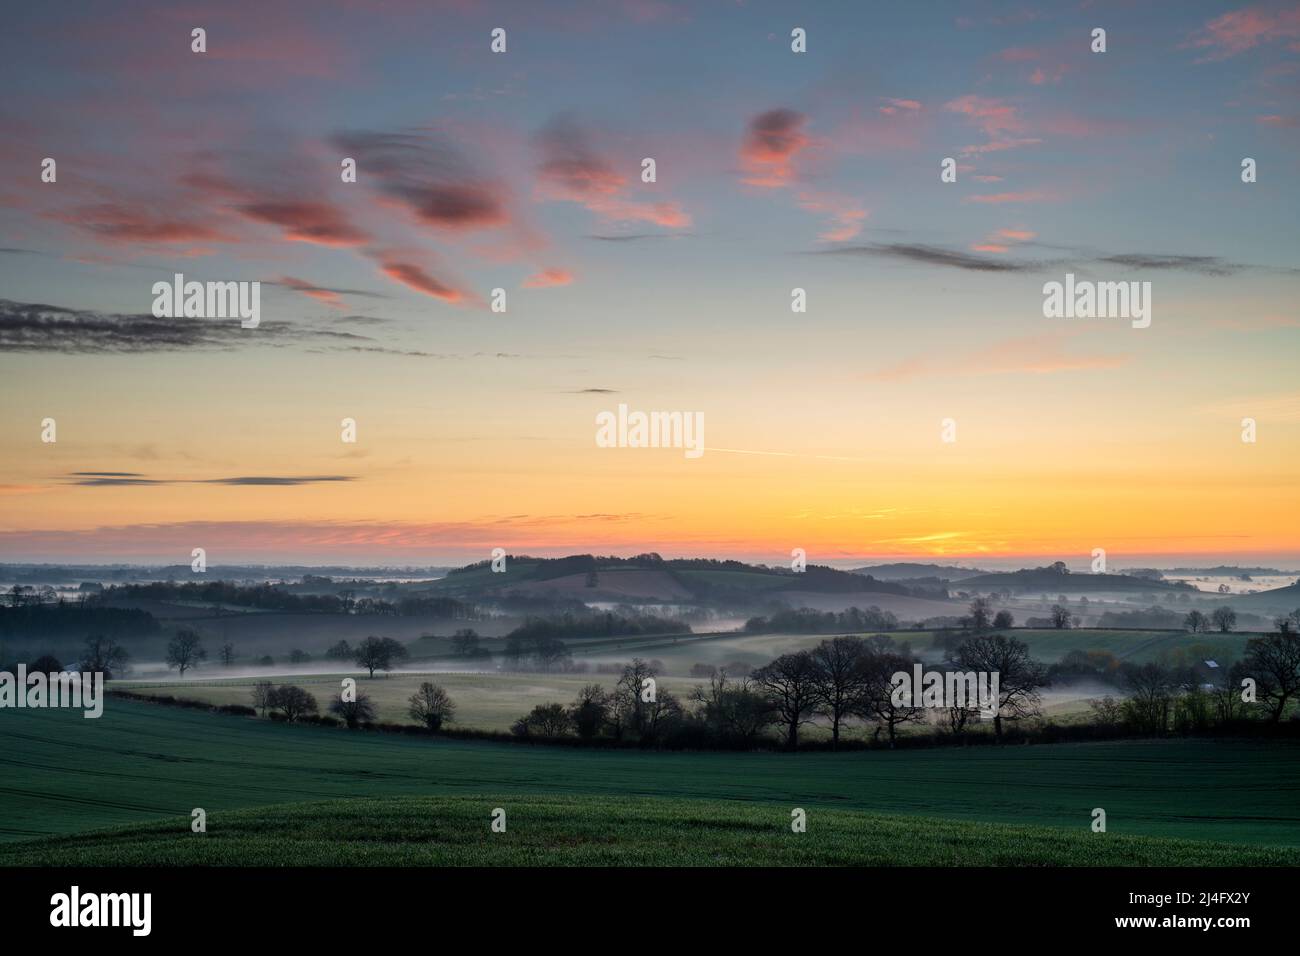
(607, 831)
(60, 773)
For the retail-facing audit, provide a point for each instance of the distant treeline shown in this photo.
(808, 621)
(271, 598)
(74, 620)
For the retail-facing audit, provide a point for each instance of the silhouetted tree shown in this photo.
(790, 685)
(544, 720)
(1020, 677)
(1224, 618)
(379, 654)
(105, 656)
(1274, 662)
(262, 693)
(1151, 689)
(841, 677)
(353, 712)
(590, 711)
(293, 702)
(431, 706)
(185, 650)
(879, 703)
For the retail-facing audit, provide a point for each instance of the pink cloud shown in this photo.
(572, 170)
(119, 222)
(846, 216)
(328, 296)
(771, 143)
(315, 222)
(999, 241)
(414, 277)
(1240, 30)
(993, 116)
(548, 278)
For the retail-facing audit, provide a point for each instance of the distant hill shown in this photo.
(1282, 599)
(908, 570)
(1056, 579)
(651, 578)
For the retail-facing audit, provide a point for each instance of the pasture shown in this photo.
(143, 762)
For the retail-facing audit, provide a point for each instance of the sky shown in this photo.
(775, 170)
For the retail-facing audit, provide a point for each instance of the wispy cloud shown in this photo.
(573, 170)
(1240, 30)
(33, 327)
(547, 278)
(1029, 355)
(128, 479)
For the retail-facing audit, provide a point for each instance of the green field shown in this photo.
(493, 700)
(483, 701)
(142, 763)
(607, 831)
(679, 653)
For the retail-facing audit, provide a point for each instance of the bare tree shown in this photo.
(1226, 693)
(379, 654)
(629, 710)
(732, 709)
(353, 712)
(185, 650)
(840, 673)
(1106, 711)
(227, 654)
(263, 692)
(660, 711)
(790, 685)
(551, 653)
(1060, 616)
(1195, 622)
(589, 712)
(1224, 618)
(1020, 677)
(878, 702)
(431, 706)
(981, 613)
(1003, 620)
(1151, 689)
(103, 655)
(1274, 662)
(293, 702)
(545, 720)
